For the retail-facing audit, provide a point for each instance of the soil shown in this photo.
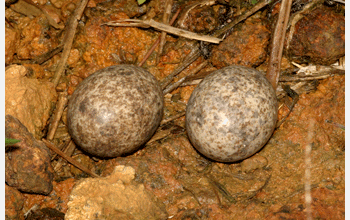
(298, 174)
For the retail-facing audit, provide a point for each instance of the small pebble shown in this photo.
(255, 162)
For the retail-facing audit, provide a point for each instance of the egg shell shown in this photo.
(115, 110)
(231, 114)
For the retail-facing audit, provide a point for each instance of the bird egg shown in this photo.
(115, 110)
(231, 114)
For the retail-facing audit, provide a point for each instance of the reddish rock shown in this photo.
(27, 163)
(204, 19)
(246, 46)
(318, 37)
(11, 38)
(45, 213)
(37, 38)
(28, 99)
(13, 203)
(57, 199)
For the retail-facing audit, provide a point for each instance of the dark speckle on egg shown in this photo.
(115, 110)
(231, 114)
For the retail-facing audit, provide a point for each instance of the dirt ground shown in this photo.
(298, 174)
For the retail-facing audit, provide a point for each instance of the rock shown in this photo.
(57, 199)
(27, 163)
(36, 37)
(253, 163)
(203, 19)
(114, 197)
(318, 37)
(13, 203)
(245, 46)
(45, 213)
(28, 100)
(11, 37)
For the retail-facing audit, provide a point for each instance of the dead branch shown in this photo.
(166, 17)
(155, 44)
(302, 78)
(69, 159)
(190, 58)
(68, 151)
(274, 67)
(61, 103)
(164, 27)
(68, 40)
(180, 81)
(164, 121)
(241, 18)
(295, 97)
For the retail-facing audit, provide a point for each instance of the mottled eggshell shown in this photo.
(115, 110)
(231, 114)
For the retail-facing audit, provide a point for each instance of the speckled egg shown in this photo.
(231, 114)
(115, 110)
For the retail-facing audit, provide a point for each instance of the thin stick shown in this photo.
(164, 27)
(61, 146)
(302, 78)
(274, 67)
(295, 97)
(68, 151)
(166, 17)
(61, 103)
(68, 40)
(174, 86)
(190, 58)
(256, 8)
(180, 81)
(164, 121)
(48, 55)
(69, 159)
(155, 44)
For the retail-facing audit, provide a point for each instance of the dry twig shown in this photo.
(295, 97)
(166, 17)
(62, 146)
(48, 55)
(274, 67)
(61, 103)
(172, 118)
(69, 159)
(241, 18)
(68, 151)
(302, 78)
(180, 81)
(190, 58)
(155, 44)
(164, 27)
(68, 40)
